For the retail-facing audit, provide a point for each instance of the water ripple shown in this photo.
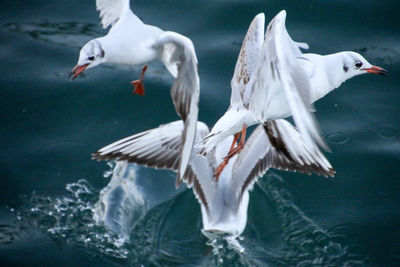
(387, 133)
(306, 243)
(62, 33)
(169, 234)
(338, 138)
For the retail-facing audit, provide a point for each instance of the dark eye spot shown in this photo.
(91, 58)
(358, 65)
(345, 68)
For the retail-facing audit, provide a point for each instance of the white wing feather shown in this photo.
(111, 10)
(279, 68)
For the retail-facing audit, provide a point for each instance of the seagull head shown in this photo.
(354, 64)
(91, 55)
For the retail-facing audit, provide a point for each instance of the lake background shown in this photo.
(50, 126)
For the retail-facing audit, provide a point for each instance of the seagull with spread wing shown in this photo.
(273, 79)
(132, 42)
(275, 144)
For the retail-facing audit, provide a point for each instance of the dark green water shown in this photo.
(50, 126)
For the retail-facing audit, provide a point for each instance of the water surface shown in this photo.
(49, 186)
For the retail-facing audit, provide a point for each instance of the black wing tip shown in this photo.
(98, 156)
(178, 181)
(109, 156)
(308, 169)
(327, 173)
(332, 172)
(318, 170)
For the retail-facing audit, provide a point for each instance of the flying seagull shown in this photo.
(132, 42)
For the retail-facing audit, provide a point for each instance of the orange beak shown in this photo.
(376, 70)
(78, 70)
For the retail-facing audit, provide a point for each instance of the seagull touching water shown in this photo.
(275, 144)
(273, 79)
(132, 42)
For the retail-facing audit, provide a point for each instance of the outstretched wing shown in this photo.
(248, 58)
(111, 10)
(161, 148)
(186, 88)
(157, 148)
(279, 68)
(276, 144)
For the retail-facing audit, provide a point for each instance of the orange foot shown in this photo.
(139, 87)
(138, 84)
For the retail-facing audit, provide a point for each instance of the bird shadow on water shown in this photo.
(170, 233)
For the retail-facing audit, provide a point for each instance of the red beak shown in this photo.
(376, 70)
(78, 70)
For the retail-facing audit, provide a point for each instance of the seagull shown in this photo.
(274, 144)
(132, 42)
(273, 79)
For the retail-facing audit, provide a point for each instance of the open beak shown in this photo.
(376, 70)
(78, 70)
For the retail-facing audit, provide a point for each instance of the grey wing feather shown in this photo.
(157, 148)
(185, 91)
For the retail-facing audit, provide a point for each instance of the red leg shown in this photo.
(232, 152)
(225, 162)
(235, 138)
(220, 168)
(240, 146)
(138, 84)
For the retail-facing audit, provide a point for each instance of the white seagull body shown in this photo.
(130, 41)
(276, 144)
(273, 79)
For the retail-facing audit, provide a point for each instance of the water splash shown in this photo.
(222, 246)
(100, 221)
(222, 241)
(70, 219)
